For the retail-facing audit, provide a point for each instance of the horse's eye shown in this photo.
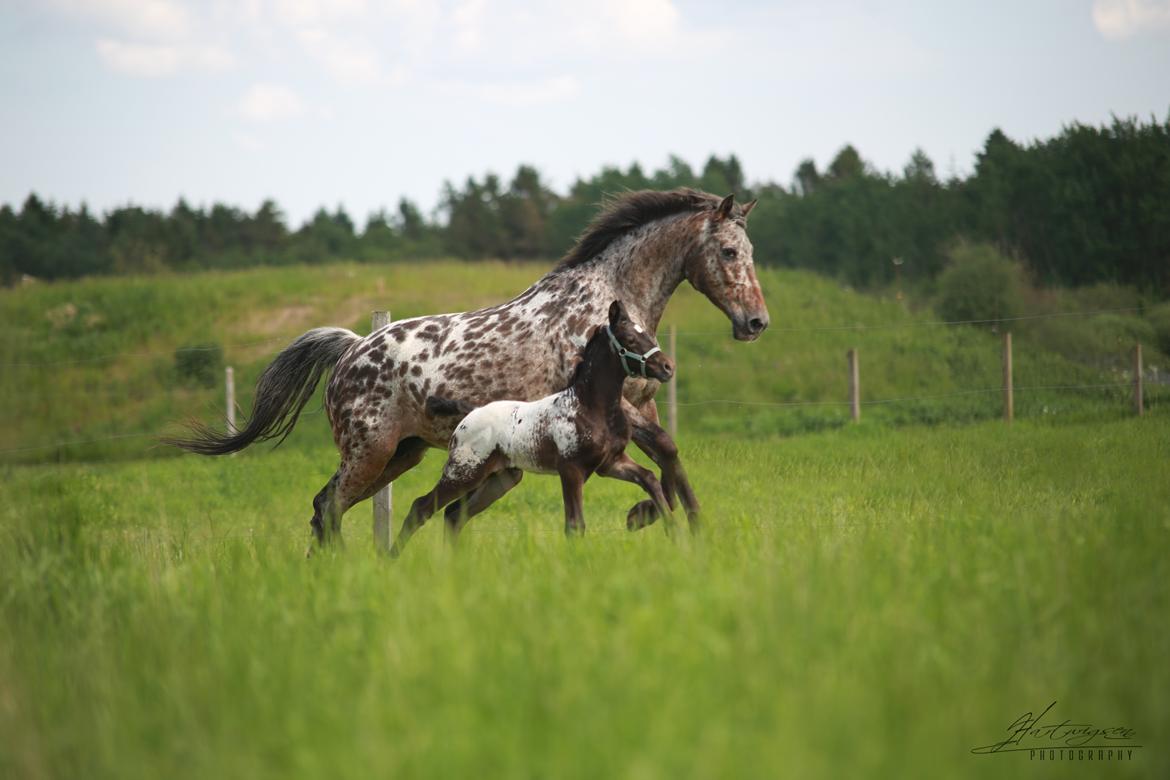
(728, 252)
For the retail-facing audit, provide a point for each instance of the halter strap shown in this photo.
(626, 354)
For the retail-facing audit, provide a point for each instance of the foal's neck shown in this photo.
(599, 379)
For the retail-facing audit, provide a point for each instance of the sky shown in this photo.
(360, 102)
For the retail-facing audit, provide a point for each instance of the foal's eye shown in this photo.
(728, 252)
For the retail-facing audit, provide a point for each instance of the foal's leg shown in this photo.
(572, 482)
(492, 490)
(450, 487)
(625, 468)
(653, 440)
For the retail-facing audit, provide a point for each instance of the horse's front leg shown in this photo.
(572, 483)
(623, 467)
(653, 440)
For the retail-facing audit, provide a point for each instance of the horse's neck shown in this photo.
(598, 384)
(644, 267)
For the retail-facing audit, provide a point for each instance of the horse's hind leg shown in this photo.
(361, 467)
(320, 504)
(491, 491)
(409, 454)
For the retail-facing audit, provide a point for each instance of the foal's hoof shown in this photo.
(642, 514)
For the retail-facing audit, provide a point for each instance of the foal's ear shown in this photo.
(724, 208)
(746, 208)
(617, 313)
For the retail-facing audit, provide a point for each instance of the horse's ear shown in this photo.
(746, 208)
(724, 209)
(616, 313)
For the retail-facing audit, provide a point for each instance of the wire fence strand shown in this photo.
(924, 323)
(709, 402)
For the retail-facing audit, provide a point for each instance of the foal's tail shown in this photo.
(281, 393)
(438, 406)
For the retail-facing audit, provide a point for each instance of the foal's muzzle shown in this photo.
(629, 357)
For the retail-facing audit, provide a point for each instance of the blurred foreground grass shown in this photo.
(866, 602)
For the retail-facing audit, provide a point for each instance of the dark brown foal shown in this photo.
(575, 433)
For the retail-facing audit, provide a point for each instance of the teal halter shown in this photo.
(626, 354)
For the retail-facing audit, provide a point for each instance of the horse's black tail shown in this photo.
(446, 407)
(281, 393)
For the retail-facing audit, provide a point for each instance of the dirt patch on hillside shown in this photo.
(272, 329)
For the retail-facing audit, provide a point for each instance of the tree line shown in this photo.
(1090, 204)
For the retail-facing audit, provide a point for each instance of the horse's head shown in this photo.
(721, 268)
(639, 351)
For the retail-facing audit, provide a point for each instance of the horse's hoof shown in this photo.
(642, 514)
(695, 524)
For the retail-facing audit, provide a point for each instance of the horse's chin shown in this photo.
(744, 335)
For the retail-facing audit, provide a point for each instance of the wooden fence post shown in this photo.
(1009, 401)
(854, 385)
(672, 387)
(229, 387)
(1138, 401)
(383, 499)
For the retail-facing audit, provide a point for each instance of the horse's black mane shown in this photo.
(631, 210)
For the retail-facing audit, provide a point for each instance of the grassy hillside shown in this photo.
(96, 358)
(867, 603)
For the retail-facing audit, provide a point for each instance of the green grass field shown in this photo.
(868, 600)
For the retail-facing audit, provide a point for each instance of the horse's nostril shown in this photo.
(756, 325)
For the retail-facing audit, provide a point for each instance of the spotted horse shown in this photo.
(639, 249)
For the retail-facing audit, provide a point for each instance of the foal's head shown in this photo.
(721, 268)
(638, 350)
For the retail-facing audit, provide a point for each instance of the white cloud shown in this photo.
(349, 61)
(1120, 19)
(645, 22)
(270, 102)
(156, 19)
(249, 142)
(527, 93)
(301, 12)
(151, 60)
(467, 20)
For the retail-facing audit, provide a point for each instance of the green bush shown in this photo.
(980, 284)
(1159, 319)
(199, 364)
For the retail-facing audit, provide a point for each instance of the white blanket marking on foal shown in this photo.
(517, 430)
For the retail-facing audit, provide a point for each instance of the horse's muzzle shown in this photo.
(749, 327)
